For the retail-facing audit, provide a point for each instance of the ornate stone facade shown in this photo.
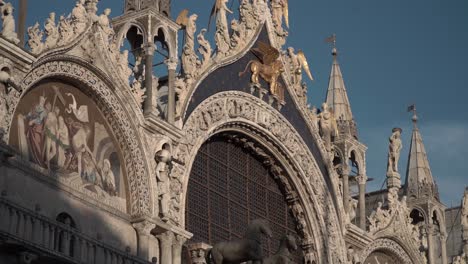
(59, 182)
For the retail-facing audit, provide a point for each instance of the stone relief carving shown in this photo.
(396, 222)
(232, 107)
(387, 245)
(138, 185)
(353, 257)
(8, 23)
(8, 97)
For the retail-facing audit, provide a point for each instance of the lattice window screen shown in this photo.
(227, 188)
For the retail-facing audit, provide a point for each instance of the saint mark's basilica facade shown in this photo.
(121, 142)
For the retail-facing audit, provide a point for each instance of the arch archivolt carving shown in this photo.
(112, 106)
(389, 246)
(303, 181)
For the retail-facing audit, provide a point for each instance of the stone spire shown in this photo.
(419, 180)
(337, 98)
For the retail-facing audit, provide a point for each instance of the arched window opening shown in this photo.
(161, 72)
(65, 240)
(230, 186)
(133, 43)
(417, 217)
(353, 173)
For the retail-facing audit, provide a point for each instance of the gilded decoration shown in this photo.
(244, 112)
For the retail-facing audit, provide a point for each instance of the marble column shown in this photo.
(177, 244)
(165, 243)
(443, 245)
(430, 244)
(345, 177)
(143, 230)
(171, 104)
(149, 55)
(362, 180)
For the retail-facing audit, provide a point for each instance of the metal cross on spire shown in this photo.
(412, 108)
(332, 40)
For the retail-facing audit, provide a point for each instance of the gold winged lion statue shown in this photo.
(268, 67)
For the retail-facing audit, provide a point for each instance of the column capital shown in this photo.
(144, 227)
(150, 48)
(179, 240)
(198, 252)
(167, 236)
(171, 63)
(361, 179)
(345, 169)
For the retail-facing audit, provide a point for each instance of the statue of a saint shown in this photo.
(163, 160)
(51, 31)
(394, 152)
(222, 38)
(79, 17)
(328, 127)
(104, 22)
(8, 23)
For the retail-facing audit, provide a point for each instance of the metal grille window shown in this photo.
(228, 187)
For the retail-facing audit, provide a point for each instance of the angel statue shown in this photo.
(222, 32)
(298, 62)
(189, 58)
(268, 67)
(279, 10)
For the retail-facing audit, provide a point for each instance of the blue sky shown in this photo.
(392, 54)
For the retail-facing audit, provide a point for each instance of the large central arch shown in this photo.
(243, 113)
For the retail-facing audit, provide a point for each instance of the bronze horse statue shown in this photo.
(248, 248)
(283, 255)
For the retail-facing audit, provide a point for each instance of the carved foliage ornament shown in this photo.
(114, 113)
(68, 28)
